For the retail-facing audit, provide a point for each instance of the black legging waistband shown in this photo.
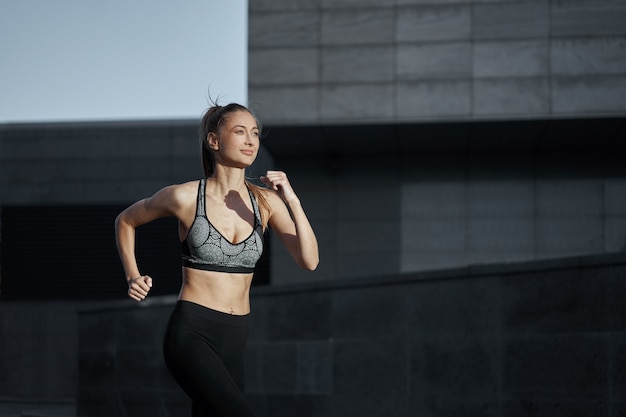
(207, 313)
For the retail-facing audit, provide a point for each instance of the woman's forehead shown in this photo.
(241, 118)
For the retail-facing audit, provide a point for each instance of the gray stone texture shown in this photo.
(508, 340)
(507, 59)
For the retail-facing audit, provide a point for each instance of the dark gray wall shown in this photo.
(358, 61)
(529, 339)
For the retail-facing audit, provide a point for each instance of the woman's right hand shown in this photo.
(138, 288)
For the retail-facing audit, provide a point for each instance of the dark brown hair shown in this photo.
(212, 121)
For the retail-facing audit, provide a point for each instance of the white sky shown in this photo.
(90, 60)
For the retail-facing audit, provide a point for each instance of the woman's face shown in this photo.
(238, 141)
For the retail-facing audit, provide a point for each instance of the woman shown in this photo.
(221, 221)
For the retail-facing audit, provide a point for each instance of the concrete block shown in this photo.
(340, 4)
(615, 233)
(370, 313)
(283, 66)
(511, 58)
(357, 236)
(284, 269)
(286, 104)
(434, 200)
(138, 367)
(459, 308)
(521, 20)
(185, 169)
(616, 293)
(152, 143)
(590, 94)
(511, 96)
(357, 64)
(302, 316)
(546, 367)
(567, 301)
(413, 261)
(145, 331)
(357, 26)
(425, 166)
(588, 18)
(315, 368)
(304, 405)
(588, 56)
(433, 235)
(433, 99)
(98, 402)
(555, 407)
(573, 235)
(433, 23)
(96, 332)
(443, 405)
(373, 405)
(456, 367)
(370, 367)
(436, 60)
(500, 234)
(185, 142)
(289, 28)
(618, 364)
(615, 197)
(501, 199)
(279, 367)
(365, 264)
(489, 256)
(280, 5)
(570, 198)
(97, 367)
(359, 101)
(430, 2)
(353, 204)
(555, 164)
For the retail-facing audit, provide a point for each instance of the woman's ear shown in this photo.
(213, 141)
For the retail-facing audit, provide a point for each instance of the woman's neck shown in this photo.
(226, 179)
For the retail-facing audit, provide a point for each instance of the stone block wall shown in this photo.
(527, 339)
(358, 61)
(38, 351)
(421, 209)
(97, 163)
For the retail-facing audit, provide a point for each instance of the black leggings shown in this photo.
(204, 351)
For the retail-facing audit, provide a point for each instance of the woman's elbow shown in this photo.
(120, 220)
(309, 265)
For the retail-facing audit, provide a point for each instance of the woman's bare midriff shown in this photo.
(225, 292)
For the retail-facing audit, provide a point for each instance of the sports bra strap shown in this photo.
(200, 209)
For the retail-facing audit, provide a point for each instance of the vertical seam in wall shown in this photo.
(394, 65)
(320, 45)
(549, 57)
(472, 79)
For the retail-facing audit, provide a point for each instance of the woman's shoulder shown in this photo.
(183, 193)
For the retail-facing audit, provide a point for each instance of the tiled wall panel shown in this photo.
(496, 46)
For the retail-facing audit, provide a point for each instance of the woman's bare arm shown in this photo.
(166, 202)
(290, 222)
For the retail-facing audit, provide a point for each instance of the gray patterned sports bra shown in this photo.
(205, 247)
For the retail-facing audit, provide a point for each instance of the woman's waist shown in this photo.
(219, 291)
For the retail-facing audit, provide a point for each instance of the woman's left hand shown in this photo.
(277, 181)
